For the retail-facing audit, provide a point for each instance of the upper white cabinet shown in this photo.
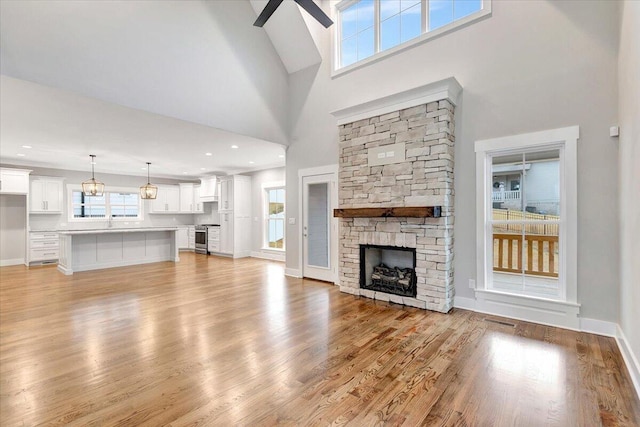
(186, 198)
(190, 199)
(198, 206)
(14, 181)
(209, 189)
(46, 195)
(168, 200)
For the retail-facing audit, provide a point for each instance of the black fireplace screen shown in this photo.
(388, 269)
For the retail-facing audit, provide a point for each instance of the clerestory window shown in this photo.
(371, 28)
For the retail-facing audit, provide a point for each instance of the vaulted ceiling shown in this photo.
(138, 79)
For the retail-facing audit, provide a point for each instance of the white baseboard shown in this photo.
(630, 359)
(8, 262)
(293, 272)
(274, 256)
(464, 303)
(545, 312)
(598, 327)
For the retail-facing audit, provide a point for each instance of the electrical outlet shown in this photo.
(472, 284)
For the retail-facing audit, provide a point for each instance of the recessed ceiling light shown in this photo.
(144, 169)
(281, 156)
(26, 146)
(251, 163)
(208, 154)
(184, 173)
(21, 155)
(203, 169)
(234, 146)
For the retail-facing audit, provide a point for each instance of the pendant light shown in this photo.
(93, 187)
(148, 191)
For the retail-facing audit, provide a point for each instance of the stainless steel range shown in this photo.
(201, 239)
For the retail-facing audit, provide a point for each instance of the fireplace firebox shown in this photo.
(388, 269)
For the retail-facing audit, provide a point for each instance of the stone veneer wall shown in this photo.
(424, 179)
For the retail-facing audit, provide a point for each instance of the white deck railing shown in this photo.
(501, 196)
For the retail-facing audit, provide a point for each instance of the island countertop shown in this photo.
(92, 249)
(116, 230)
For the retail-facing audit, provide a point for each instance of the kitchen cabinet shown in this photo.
(213, 243)
(191, 234)
(14, 181)
(209, 189)
(183, 237)
(186, 198)
(167, 201)
(190, 199)
(43, 247)
(46, 195)
(198, 205)
(235, 215)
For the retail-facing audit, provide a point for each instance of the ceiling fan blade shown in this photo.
(315, 11)
(267, 12)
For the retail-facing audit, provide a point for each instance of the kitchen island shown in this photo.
(82, 250)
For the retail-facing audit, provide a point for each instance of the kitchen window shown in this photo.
(369, 29)
(116, 205)
(275, 215)
(527, 215)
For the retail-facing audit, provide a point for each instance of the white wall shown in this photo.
(13, 226)
(531, 66)
(38, 222)
(258, 179)
(199, 61)
(629, 91)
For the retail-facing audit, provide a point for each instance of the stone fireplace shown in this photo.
(398, 152)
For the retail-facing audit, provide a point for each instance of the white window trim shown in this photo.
(562, 313)
(265, 220)
(74, 187)
(337, 71)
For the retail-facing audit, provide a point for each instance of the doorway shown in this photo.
(319, 228)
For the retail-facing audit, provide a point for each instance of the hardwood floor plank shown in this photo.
(216, 341)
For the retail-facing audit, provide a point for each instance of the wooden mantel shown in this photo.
(400, 212)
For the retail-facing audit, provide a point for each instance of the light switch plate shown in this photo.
(387, 154)
(292, 221)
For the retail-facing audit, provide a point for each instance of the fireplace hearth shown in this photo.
(388, 269)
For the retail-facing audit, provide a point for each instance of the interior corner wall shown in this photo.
(629, 173)
(530, 66)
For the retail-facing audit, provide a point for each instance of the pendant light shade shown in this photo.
(93, 187)
(148, 191)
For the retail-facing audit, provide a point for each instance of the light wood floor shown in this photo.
(212, 341)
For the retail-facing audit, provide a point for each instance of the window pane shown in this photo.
(389, 8)
(506, 187)
(406, 4)
(365, 14)
(349, 20)
(541, 262)
(349, 51)
(411, 23)
(542, 184)
(440, 13)
(390, 33)
(507, 258)
(462, 8)
(365, 44)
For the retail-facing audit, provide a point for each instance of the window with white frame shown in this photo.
(527, 214)
(274, 214)
(114, 204)
(368, 28)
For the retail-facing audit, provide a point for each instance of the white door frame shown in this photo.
(321, 170)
